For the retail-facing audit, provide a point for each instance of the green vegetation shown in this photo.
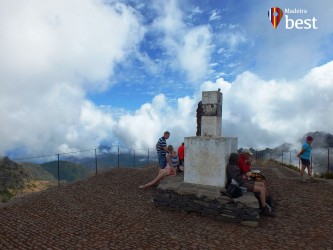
(68, 171)
(326, 175)
(6, 195)
(36, 172)
(11, 179)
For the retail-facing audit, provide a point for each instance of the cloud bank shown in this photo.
(260, 113)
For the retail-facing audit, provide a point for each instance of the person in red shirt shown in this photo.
(244, 161)
(181, 157)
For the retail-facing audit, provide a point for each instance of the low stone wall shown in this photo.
(174, 194)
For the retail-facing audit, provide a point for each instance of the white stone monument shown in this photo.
(206, 156)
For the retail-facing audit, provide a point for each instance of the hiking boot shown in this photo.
(267, 211)
(270, 209)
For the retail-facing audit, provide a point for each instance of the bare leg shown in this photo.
(309, 171)
(162, 173)
(260, 187)
(172, 171)
(302, 170)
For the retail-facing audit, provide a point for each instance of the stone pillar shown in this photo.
(211, 121)
(206, 156)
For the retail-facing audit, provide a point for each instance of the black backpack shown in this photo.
(234, 191)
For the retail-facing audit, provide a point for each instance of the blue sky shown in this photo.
(78, 73)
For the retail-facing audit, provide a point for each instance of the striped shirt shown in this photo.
(174, 160)
(160, 145)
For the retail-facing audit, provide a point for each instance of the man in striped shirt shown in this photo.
(161, 148)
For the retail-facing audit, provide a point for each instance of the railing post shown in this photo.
(134, 158)
(282, 156)
(257, 156)
(148, 157)
(58, 172)
(311, 165)
(328, 160)
(118, 157)
(289, 157)
(96, 160)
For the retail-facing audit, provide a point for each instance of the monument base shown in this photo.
(206, 158)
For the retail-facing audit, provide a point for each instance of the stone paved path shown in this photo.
(108, 211)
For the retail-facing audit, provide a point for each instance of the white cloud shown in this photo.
(189, 48)
(260, 113)
(233, 37)
(52, 54)
(76, 41)
(267, 113)
(214, 15)
(142, 129)
(194, 55)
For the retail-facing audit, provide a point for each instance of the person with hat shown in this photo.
(305, 155)
(234, 174)
(251, 178)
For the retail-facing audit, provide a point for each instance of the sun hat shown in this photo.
(246, 151)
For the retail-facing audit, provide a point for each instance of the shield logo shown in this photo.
(275, 15)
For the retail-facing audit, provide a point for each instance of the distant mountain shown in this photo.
(68, 171)
(12, 179)
(36, 172)
(320, 139)
(109, 159)
(104, 149)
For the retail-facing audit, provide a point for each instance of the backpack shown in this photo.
(234, 191)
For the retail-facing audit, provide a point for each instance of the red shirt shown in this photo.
(181, 152)
(244, 164)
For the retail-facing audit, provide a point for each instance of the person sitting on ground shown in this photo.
(244, 163)
(234, 172)
(169, 169)
(173, 157)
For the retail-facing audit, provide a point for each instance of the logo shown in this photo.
(275, 15)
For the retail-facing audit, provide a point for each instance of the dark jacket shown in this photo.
(233, 171)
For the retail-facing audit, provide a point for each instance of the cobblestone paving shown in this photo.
(108, 211)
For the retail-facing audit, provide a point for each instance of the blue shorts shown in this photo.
(162, 161)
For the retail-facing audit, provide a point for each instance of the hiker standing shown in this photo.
(305, 155)
(162, 149)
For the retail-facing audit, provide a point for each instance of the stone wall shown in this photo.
(174, 194)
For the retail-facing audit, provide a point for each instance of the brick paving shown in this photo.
(108, 211)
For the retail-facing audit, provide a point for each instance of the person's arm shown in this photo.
(301, 152)
(233, 172)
